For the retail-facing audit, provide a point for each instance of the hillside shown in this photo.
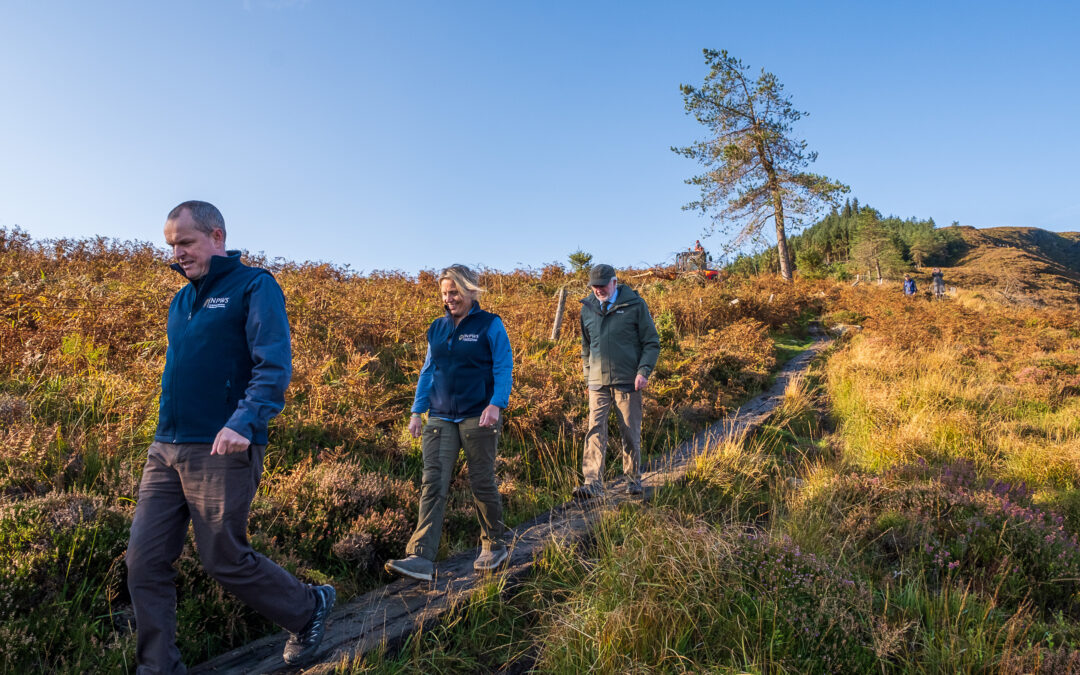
(914, 505)
(82, 347)
(1025, 265)
(1018, 265)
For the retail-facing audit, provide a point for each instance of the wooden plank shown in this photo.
(389, 614)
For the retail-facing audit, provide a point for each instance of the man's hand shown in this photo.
(490, 416)
(228, 441)
(416, 425)
(640, 382)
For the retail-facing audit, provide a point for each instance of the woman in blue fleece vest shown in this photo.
(463, 387)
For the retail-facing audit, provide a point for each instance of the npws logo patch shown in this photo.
(468, 337)
(215, 303)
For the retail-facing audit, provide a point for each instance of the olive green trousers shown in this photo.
(441, 441)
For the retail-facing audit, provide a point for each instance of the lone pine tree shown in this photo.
(754, 167)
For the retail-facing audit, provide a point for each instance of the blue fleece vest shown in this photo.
(462, 383)
(220, 334)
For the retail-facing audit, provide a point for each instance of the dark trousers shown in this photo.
(442, 440)
(184, 483)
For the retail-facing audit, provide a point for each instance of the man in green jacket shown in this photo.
(619, 347)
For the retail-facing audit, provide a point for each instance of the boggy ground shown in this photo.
(913, 507)
(81, 350)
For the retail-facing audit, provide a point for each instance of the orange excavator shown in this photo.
(696, 262)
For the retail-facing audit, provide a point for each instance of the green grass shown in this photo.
(788, 347)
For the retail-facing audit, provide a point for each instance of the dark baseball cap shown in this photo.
(601, 275)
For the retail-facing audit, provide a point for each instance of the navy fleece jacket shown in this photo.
(467, 368)
(229, 358)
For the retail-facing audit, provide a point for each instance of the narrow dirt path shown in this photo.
(389, 614)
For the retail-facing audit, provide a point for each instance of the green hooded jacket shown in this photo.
(619, 344)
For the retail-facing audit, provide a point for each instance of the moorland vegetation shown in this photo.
(913, 506)
(82, 347)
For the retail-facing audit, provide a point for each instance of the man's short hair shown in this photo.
(206, 216)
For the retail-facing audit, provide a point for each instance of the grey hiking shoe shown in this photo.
(490, 560)
(413, 567)
(303, 646)
(588, 491)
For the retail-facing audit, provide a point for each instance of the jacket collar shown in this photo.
(626, 296)
(219, 265)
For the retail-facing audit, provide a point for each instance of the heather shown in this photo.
(913, 502)
(950, 529)
(82, 346)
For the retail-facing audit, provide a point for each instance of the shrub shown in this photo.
(60, 564)
(317, 505)
(951, 526)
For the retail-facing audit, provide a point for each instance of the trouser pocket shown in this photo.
(481, 445)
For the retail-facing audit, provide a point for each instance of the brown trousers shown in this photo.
(627, 406)
(184, 483)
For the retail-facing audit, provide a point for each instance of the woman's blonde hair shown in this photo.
(467, 281)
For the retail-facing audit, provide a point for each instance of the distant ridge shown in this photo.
(1027, 265)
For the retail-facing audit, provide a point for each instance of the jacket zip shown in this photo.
(191, 312)
(450, 348)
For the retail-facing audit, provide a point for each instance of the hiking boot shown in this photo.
(303, 646)
(490, 560)
(587, 491)
(413, 567)
(634, 489)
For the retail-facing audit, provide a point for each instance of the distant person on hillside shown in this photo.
(698, 248)
(939, 283)
(226, 369)
(464, 386)
(619, 348)
(909, 286)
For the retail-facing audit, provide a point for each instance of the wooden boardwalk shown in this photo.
(389, 614)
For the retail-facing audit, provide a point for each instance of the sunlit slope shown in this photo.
(1028, 265)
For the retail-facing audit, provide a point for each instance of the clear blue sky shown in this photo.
(409, 135)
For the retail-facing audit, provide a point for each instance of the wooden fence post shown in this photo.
(559, 313)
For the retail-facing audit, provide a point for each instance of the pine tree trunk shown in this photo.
(778, 212)
(781, 238)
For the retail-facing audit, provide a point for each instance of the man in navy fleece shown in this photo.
(226, 369)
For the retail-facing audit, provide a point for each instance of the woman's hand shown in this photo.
(416, 425)
(490, 416)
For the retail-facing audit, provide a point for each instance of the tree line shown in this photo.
(857, 239)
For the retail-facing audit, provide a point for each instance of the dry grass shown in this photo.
(919, 486)
(955, 381)
(82, 346)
